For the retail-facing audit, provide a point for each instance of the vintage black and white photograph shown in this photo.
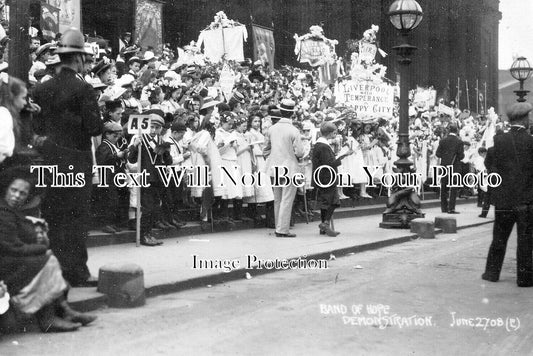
(266, 177)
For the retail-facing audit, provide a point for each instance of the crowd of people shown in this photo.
(75, 115)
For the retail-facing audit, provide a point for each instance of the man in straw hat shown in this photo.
(283, 147)
(66, 124)
(512, 159)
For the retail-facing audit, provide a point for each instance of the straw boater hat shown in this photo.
(209, 102)
(287, 105)
(42, 49)
(238, 97)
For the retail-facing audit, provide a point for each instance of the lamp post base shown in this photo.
(399, 220)
(402, 207)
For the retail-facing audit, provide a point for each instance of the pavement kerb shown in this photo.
(99, 301)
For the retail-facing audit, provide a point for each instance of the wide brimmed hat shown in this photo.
(131, 49)
(72, 41)
(209, 102)
(134, 59)
(103, 65)
(97, 84)
(148, 56)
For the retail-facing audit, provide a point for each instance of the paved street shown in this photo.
(406, 299)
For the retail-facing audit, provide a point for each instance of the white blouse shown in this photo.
(7, 136)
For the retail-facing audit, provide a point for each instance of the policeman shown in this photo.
(68, 120)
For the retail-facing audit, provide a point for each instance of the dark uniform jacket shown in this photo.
(69, 111)
(451, 152)
(512, 159)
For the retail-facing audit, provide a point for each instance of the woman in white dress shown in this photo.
(368, 144)
(204, 153)
(353, 164)
(262, 192)
(226, 142)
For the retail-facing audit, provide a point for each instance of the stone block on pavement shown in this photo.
(424, 228)
(123, 284)
(446, 223)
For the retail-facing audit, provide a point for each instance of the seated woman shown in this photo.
(30, 271)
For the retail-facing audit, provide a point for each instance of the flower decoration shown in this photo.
(221, 21)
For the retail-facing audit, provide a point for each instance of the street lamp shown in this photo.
(404, 204)
(521, 71)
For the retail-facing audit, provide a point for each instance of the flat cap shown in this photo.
(111, 126)
(518, 111)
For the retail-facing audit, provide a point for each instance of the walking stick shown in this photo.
(305, 207)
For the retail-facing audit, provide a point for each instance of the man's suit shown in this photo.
(450, 152)
(513, 200)
(283, 147)
(69, 118)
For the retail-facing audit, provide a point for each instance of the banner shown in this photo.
(367, 52)
(69, 13)
(446, 110)
(49, 21)
(367, 98)
(264, 46)
(148, 25)
(424, 98)
(227, 42)
(314, 52)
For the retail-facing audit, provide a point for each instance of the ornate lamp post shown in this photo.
(521, 71)
(404, 204)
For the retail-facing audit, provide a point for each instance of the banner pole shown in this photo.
(138, 214)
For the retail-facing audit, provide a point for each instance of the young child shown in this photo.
(155, 152)
(327, 197)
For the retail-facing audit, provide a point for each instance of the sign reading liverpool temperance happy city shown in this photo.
(366, 97)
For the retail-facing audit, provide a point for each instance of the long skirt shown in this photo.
(46, 286)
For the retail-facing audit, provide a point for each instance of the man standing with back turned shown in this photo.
(513, 199)
(69, 118)
(283, 147)
(450, 152)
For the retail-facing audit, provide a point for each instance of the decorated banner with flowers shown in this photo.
(423, 98)
(366, 98)
(223, 38)
(314, 48)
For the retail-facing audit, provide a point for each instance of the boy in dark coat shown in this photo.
(325, 176)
